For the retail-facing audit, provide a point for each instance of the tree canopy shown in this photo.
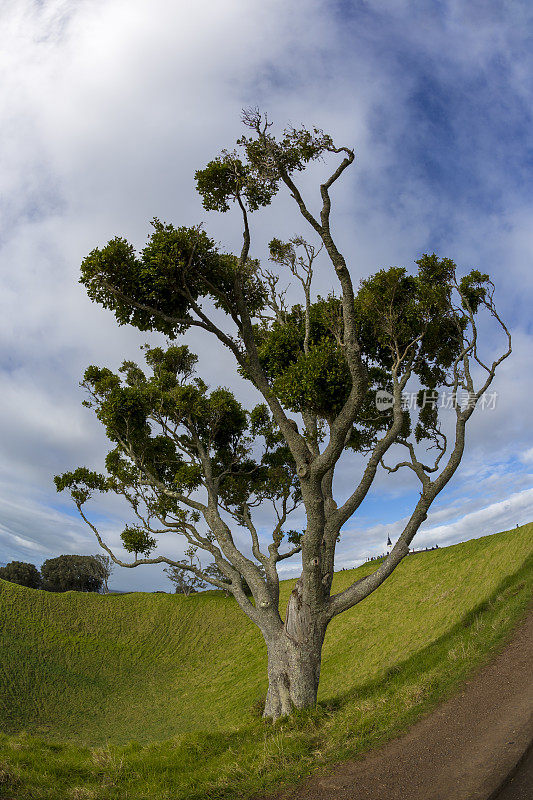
(22, 573)
(72, 573)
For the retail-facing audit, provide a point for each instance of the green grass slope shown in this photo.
(81, 670)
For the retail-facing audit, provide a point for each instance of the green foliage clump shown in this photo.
(22, 573)
(131, 402)
(394, 312)
(72, 573)
(138, 541)
(176, 268)
(317, 381)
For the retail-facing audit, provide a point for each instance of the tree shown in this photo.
(136, 540)
(212, 571)
(72, 573)
(22, 573)
(194, 461)
(106, 568)
(186, 582)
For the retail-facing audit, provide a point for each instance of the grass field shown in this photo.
(155, 696)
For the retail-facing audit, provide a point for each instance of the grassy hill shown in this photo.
(183, 677)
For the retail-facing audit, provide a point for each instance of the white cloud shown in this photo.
(502, 515)
(356, 546)
(107, 108)
(527, 456)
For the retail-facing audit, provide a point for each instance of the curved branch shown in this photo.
(282, 556)
(253, 533)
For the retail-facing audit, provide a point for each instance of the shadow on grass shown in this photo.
(423, 659)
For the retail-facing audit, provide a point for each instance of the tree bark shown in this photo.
(294, 657)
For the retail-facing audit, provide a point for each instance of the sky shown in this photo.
(108, 107)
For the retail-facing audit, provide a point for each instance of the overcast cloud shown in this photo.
(107, 108)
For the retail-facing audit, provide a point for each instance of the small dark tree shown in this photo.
(194, 461)
(212, 571)
(186, 582)
(72, 573)
(22, 573)
(219, 579)
(106, 568)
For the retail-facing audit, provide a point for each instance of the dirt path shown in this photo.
(461, 751)
(520, 787)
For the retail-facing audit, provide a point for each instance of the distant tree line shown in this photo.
(62, 574)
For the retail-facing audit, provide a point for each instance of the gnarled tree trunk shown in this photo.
(294, 656)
